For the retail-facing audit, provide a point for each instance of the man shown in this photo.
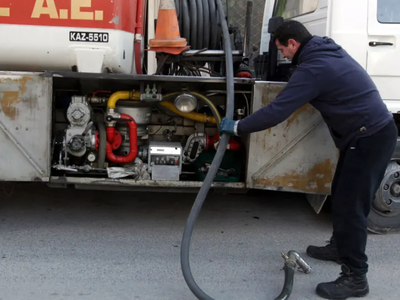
(362, 128)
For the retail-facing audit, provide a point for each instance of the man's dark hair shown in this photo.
(291, 30)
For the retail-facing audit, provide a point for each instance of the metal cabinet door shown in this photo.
(25, 126)
(297, 155)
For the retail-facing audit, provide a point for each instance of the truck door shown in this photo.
(383, 62)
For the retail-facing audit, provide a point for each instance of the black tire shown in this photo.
(385, 212)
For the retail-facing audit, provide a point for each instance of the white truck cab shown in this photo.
(369, 30)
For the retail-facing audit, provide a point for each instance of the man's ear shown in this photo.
(293, 43)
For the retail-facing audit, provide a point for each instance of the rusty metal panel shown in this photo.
(297, 155)
(25, 123)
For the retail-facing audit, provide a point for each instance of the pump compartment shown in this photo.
(171, 150)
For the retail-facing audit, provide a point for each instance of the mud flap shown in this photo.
(316, 201)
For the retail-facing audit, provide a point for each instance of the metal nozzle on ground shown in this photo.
(292, 259)
(295, 257)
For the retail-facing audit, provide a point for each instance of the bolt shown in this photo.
(386, 187)
(388, 202)
(396, 175)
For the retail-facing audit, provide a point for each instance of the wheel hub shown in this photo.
(388, 195)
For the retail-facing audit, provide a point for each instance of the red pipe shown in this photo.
(132, 140)
(232, 144)
(139, 35)
(110, 134)
(138, 57)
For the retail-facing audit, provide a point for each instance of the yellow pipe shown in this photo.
(121, 95)
(132, 95)
(192, 116)
(208, 101)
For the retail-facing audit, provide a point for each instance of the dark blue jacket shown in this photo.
(336, 85)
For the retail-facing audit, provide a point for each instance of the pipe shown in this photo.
(205, 100)
(192, 116)
(293, 255)
(110, 134)
(247, 35)
(132, 95)
(209, 52)
(214, 143)
(132, 142)
(139, 36)
(102, 144)
(122, 95)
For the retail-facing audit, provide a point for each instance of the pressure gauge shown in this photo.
(91, 157)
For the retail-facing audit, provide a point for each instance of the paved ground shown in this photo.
(68, 244)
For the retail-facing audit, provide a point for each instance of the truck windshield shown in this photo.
(293, 8)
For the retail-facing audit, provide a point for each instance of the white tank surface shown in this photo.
(63, 35)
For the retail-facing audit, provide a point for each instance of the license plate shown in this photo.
(91, 37)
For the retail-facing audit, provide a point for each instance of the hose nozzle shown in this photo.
(294, 257)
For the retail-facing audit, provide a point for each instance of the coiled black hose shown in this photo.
(199, 23)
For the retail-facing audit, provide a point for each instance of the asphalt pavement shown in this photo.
(84, 245)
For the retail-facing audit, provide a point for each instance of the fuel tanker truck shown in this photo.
(129, 95)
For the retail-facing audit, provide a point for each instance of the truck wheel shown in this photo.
(385, 212)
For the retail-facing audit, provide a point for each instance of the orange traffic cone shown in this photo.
(168, 38)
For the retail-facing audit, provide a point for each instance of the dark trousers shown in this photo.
(359, 172)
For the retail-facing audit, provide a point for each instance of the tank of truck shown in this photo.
(81, 35)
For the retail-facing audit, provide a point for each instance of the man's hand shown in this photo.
(228, 126)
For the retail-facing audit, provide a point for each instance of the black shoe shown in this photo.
(328, 252)
(347, 285)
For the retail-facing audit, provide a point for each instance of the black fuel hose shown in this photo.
(201, 196)
(288, 285)
(292, 258)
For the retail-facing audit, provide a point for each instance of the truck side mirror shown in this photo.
(274, 23)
